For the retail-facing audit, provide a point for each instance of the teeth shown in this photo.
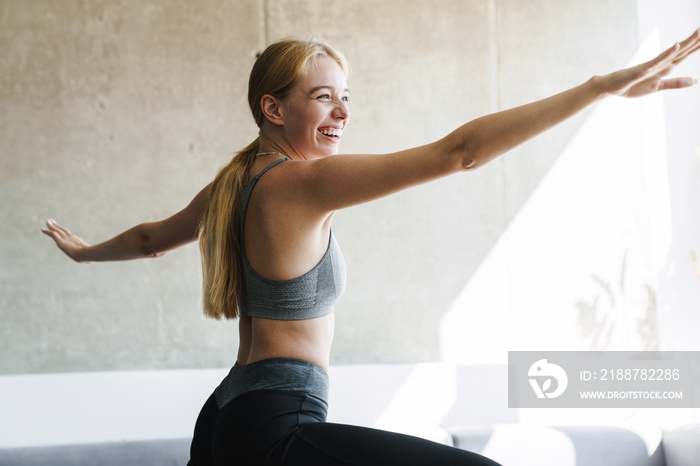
(332, 132)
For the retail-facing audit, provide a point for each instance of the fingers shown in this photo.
(51, 227)
(691, 40)
(685, 49)
(677, 52)
(660, 62)
(688, 47)
(55, 230)
(686, 54)
(676, 83)
(666, 61)
(661, 65)
(66, 241)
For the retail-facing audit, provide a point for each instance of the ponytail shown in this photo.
(220, 238)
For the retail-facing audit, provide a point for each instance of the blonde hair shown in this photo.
(275, 72)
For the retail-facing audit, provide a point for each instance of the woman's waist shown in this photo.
(318, 358)
(278, 373)
(306, 340)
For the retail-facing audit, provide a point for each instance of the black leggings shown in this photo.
(275, 427)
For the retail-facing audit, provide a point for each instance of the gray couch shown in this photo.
(145, 453)
(511, 444)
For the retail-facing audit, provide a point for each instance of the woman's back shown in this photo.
(293, 272)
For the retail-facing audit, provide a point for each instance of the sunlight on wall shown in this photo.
(422, 401)
(576, 268)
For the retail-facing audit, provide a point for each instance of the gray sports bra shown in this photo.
(306, 297)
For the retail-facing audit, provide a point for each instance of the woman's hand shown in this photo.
(66, 241)
(647, 78)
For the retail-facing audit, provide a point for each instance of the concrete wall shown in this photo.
(118, 112)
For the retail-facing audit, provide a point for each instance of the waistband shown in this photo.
(286, 374)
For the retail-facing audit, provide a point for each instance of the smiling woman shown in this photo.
(271, 260)
(310, 123)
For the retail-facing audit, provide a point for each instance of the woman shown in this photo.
(270, 259)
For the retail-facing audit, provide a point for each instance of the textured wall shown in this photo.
(118, 112)
(113, 113)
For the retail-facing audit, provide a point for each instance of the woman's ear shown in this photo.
(272, 110)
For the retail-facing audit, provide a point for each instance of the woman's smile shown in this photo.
(317, 112)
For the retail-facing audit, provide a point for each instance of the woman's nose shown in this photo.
(342, 111)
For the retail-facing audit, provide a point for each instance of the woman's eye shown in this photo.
(346, 98)
(324, 96)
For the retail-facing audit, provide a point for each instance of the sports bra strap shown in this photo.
(262, 172)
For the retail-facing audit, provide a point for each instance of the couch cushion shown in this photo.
(143, 453)
(516, 445)
(682, 446)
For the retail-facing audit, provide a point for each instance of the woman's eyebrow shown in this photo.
(325, 86)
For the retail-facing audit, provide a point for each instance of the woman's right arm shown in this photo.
(151, 239)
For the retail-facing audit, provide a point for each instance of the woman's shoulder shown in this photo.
(280, 190)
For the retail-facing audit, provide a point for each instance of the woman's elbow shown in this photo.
(470, 162)
(464, 149)
(150, 253)
(476, 155)
(145, 242)
(472, 157)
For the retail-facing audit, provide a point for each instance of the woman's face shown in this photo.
(316, 112)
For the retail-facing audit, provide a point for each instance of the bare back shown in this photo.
(282, 242)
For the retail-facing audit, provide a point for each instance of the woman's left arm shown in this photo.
(486, 138)
(341, 181)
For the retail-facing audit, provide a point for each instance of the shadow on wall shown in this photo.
(607, 315)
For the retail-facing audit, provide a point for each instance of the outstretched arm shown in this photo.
(487, 138)
(341, 181)
(145, 240)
